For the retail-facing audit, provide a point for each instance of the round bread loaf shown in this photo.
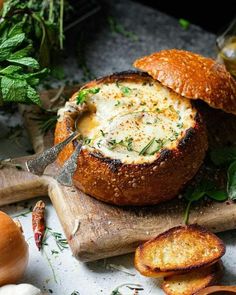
(142, 141)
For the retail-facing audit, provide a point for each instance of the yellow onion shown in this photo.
(14, 252)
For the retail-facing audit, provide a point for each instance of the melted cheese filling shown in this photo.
(133, 122)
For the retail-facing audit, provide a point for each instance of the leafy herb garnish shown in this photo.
(127, 143)
(223, 156)
(60, 241)
(87, 140)
(83, 94)
(204, 189)
(184, 23)
(227, 157)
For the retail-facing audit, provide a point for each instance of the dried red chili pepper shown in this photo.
(38, 223)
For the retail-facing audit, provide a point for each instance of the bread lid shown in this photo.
(193, 76)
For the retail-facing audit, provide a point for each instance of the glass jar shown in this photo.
(226, 45)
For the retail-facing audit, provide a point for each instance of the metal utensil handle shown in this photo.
(38, 164)
(66, 173)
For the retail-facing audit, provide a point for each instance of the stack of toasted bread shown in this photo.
(187, 257)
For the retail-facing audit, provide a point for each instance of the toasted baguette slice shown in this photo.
(193, 281)
(178, 250)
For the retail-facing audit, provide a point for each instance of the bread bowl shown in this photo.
(127, 159)
(115, 167)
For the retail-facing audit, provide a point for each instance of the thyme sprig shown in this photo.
(146, 148)
(127, 143)
(46, 121)
(61, 242)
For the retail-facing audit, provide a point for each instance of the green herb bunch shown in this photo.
(30, 33)
(19, 72)
(224, 157)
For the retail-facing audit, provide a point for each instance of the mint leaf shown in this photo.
(223, 156)
(83, 94)
(22, 52)
(25, 61)
(124, 89)
(33, 95)
(9, 44)
(231, 185)
(204, 188)
(218, 195)
(196, 196)
(13, 89)
(15, 30)
(10, 70)
(12, 42)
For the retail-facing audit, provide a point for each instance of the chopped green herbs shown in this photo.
(84, 93)
(146, 148)
(127, 143)
(117, 103)
(180, 125)
(54, 252)
(118, 28)
(87, 140)
(204, 189)
(124, 89)
(159, 143)
(184, 23)
(102, 132)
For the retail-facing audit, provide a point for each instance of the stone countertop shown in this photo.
(105, 52)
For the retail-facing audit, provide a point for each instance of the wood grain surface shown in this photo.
(96, 230)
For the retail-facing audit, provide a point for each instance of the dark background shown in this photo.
(213, 15)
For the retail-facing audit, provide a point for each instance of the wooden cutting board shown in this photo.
(96, 230)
